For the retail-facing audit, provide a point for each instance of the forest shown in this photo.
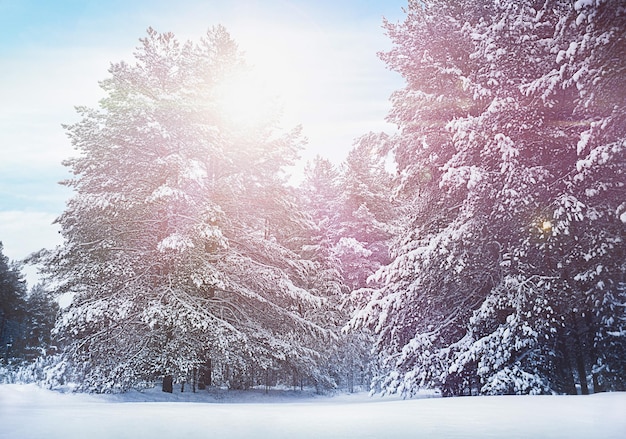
(477, 250)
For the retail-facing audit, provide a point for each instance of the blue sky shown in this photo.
(53, 54)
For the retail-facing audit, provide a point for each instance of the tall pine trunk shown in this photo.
(593, 355)
(168, 384)
(564, 366)
(580, 358)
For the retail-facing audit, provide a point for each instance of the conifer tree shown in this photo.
(510, 266)
(174, 251)
(12, 308)
(367, 211)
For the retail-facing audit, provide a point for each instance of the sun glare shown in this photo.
(275, 84)
(292, 79)
(245, 100)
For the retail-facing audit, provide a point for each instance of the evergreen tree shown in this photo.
(173, 250)
(41, 314)
(320, 200)
(367, 211)
(367, 223)
(511, 152)
(589, 215)
(13, 308)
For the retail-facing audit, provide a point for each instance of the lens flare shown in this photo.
(245, 101)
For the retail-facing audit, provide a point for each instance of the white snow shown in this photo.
(176, 241)
(27, 411)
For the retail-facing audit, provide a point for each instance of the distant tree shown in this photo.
(175, 252)
(367, 211)
(367, 216)
(26, 318)
(510, 267)
(12, 308)
(41, 313)
(350, 207)
(319, 196)
(320, 199)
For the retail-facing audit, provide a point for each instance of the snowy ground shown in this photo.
(27, 411)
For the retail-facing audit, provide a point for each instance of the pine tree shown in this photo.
(367, 211)
(367, 214)
(320, 194)
(320, 199)
(41, 314)
(173, 251)
(12, 308)
(589, 215)
(511, 260)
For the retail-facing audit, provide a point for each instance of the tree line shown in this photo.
(477, 250)
(26, 317)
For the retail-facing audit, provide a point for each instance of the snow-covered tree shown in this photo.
(41, 314)
(174, 253)
(320, 199)
(589, 216)
(367, 211)
(348, 243)
(26, 317)
(320, 194)
(511, 154)
(12, 307)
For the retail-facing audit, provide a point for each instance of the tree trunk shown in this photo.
(582, 373)
(168, 384)
(251, 377)
(592, 351)
(209, 373)
(351, 376)
(564, 366)
(579, 355)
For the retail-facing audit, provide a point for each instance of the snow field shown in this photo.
(27, 411)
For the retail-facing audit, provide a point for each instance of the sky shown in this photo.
(320, 57)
